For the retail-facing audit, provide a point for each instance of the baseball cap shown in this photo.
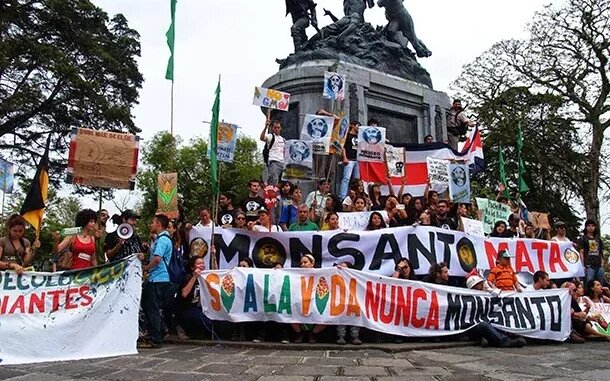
(473, 281)
(560, 224)
(504, 254)
(128, 213)
(263, 210)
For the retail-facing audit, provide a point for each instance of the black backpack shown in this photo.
(267, 148)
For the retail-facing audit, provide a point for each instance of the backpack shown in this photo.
(461, 128)
(175, 267)
(267, 148)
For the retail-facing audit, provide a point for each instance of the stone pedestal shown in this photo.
(408, 110)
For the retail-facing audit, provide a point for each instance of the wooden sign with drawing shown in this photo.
(167, 194)
(103, 159)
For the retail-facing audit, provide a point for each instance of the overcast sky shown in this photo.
(240, 40)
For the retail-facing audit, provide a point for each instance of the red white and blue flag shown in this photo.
(416, 168)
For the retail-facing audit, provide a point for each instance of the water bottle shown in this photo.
(70, 231)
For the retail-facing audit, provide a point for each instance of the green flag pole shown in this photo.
(214, 168)
(523, 188)
(502, 172)
(169, 71)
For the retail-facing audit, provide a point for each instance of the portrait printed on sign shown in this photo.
(371, 144)
(459, 183)
(298, 160)
(334, 86)
(227, 139)
(395, 157)
(318, 129)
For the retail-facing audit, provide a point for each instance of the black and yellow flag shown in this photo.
(34, 204)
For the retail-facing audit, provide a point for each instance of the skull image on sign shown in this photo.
(317, 128)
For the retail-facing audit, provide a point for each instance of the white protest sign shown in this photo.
(371, 144)
(459, 183)
(271, 98)
(395, 157)
(318, 129)
(438, 171)
(473, 227)
(357, 221)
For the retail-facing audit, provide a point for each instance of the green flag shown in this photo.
(169, 72)
(522, 185)
(502, 172)
(214, 142)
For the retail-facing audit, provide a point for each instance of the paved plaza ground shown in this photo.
(393, 362)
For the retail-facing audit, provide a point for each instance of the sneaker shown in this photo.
(341, 341)
(356, 341)
(257, 340)
(285, 341)
(181, 333)
(576, 338)
(148, 345)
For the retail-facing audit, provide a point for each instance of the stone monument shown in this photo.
(384, 79)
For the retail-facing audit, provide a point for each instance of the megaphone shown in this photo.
(124, 231)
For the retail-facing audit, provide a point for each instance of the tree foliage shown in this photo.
(63, 64)
(566, 56)
(163, 153)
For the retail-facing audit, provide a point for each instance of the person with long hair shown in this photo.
(241, 221)
(307, 262)
(499, 230)
(331, 221)
(582, 327)
(190, 316)
(81, 246)
(376, 222)
(117, 248)
(416, 207)
(591, 252)
(595, 293)
(375, 197)
(16, 253)
(404, 270)
(359, 204)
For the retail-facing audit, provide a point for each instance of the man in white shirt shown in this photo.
(204, 218)
(274, 142)
(541, 281)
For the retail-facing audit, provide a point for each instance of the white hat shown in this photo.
(473, 281)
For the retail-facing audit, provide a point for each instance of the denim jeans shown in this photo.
(350, 170)
(495, 337)
(272, 173)
(596, 273)
(155, 297)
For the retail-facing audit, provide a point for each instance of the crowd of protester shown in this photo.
(167, 306)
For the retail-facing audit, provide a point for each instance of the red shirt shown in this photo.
(82, 254)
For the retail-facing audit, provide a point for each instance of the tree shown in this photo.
(63, 64)
(566, 55)
(193, 168)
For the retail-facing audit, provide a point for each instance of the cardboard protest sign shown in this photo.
(103, 159)
(298, 160)
(395, 157)
(227, 139)
(539, 220)
(473, 227)
(492, 211)
(167, 194)
(438, 171)
(334, 86)
(371, 144)
(337, 139)
(7, 176)
(459, 183)
(318, 129)
(271, 99)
